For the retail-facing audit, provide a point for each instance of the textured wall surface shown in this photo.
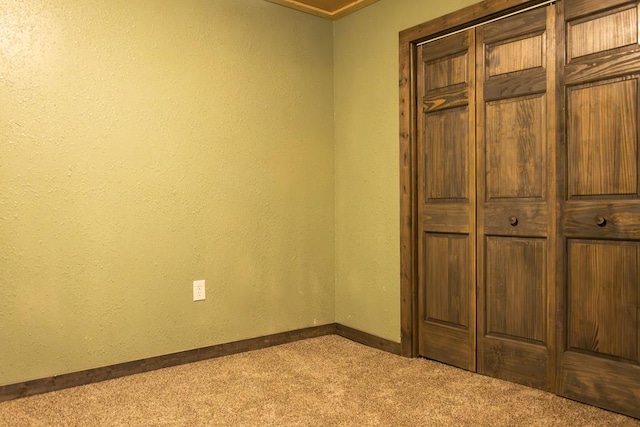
(144, 145)
(367, 162)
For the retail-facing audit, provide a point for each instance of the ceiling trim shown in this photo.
(333, 15)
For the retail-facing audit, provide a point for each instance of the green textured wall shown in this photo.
(367, 161)
(145, 144)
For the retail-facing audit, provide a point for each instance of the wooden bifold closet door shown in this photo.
(446, 200)
(528, 200)
(487, 149)
(516, 198)
(599, 354)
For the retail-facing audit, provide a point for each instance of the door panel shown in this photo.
(516, 198)
(452, 181)
(445, 72)
(599, 286)
(515, 291)
(575, 9)
(515, 148)
(446, 320)
(604, 161)
(602, 297)
(621, 28)
(508, 57)
(446, 264)
(446, 201)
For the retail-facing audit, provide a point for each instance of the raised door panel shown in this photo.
(447, 71)
(446, 201)
(620, 26)
(516, 55)
(603, 149)
(599, 321)
(602, 297)
(515, 291)
(575, 10)
(516, 199)
(452, 181)
(446, 261)
(600, 359)
(516, 313)
(515, 148)
(445, 300)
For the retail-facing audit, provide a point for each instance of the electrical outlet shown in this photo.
(198, 290)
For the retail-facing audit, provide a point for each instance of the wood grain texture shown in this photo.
(622, 219)
(603, 297)
(408, 93)
(601, 382)
(445, 72)
(606, 380)
(516, 55)
(446, 218)
(515, 145)
(602, 33)
(446, 344)
(585, 70)
(451, 99)
(555, 41)
(531, 216)
(446, 142)
(454, 45)
(408, 200)
(598, 327)
(574, 9)
(530, 23)
(515, 148)
(527, 82)
(446, 277)
(523, 363)
(515, 286)
(602, 138)
(446, 190)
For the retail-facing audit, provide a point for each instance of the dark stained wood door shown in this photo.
(517, 198)
(446, 200)
(599, 345)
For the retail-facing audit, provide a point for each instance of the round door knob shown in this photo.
(513, 221)
(601, 221)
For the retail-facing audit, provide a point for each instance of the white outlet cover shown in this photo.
(198, 290)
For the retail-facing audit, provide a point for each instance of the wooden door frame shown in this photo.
(409, 40)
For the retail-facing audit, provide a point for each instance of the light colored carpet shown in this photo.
(327, 381)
